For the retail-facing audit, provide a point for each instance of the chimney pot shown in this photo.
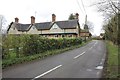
(32, 19)
(16, 20)
(77, 16)
(53, 17)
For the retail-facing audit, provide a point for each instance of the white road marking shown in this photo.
(89, 69)
(47, 72)
(79, 55)
(93, 46)
(95, 43)
(99, 67)
(90, 48)
(102, 61)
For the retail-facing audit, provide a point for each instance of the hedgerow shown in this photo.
(20, 48)
(24, 45)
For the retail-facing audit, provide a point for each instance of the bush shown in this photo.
(24, 45)
(33, 47)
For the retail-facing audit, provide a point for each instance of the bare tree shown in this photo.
(111, 12)
(90, 26)
(108, 7)
(2, 23)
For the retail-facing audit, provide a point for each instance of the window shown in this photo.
(63, 35)
(33, 27)
(56, 35)
(55, 26)
(13, 28)
(45, 35)
(70, 35)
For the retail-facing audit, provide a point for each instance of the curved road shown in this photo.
(84, 62)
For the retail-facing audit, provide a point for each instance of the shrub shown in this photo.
(24, 45)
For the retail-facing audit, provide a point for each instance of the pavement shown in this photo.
(83, 62)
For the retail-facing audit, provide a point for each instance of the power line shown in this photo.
(82, 10)
(83, 7)
(79, 6)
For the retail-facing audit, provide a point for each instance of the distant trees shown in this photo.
(111, 13)
(89, 25)
(108, 7)
(71, 17)
(112, 29)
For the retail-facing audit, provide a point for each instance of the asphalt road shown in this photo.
(84, 62)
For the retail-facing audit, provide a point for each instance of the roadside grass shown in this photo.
(111, 70)
(12, 61)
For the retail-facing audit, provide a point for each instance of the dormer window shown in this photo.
(56, 35)
(70, 35)
(33, 27)
(55, 26)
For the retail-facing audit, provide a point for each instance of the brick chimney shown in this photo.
(32, 19)
(16, 20)
(77, 16)
(53, 17)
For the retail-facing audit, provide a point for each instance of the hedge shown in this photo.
(25, 45)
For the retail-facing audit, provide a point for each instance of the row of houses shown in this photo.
(53, 29)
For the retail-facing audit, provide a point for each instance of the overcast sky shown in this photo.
(42, 10)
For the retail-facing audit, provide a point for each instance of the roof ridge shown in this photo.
(43, 22)
(21, 23)
(48, 21)
(67, 20)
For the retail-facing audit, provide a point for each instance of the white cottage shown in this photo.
(68, 28)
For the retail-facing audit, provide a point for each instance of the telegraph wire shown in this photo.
(82, 10)
(83, 6)
(85, 12)
(79, 6)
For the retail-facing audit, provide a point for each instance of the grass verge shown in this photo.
(10, 62)
(111, 64)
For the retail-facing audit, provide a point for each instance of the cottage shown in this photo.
(84, 33)
(53, 29)
(68, 28)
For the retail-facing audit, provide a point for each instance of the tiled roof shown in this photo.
(67, 24)
(22, 27)
(42, 26)
(19, 26)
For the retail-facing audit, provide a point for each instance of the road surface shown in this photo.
(84, 62)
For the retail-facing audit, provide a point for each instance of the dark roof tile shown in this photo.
(67, 24)
(41, 26)
(22, 27)
(47, 25)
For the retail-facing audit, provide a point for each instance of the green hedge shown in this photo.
(25, 45)
(9, 62)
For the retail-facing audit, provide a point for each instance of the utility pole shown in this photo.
(85, 25)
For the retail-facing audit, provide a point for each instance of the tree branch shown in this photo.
(115, 6)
